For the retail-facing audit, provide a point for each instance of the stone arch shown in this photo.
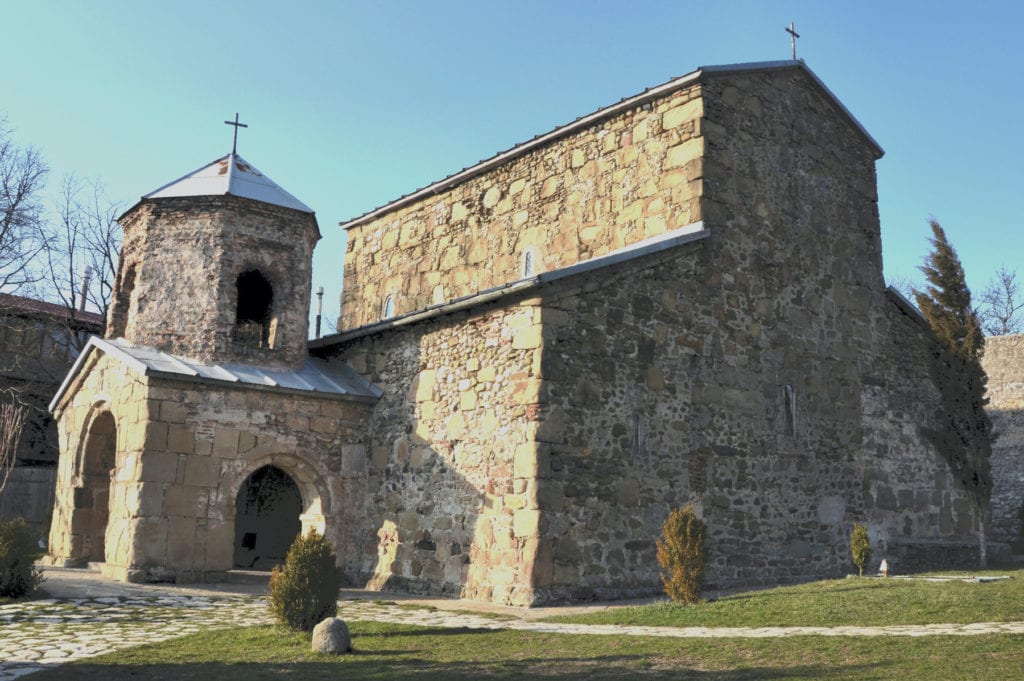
(313, 503)
(95, 465)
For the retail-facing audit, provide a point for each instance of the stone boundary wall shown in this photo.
(176, 283)
(625, 178)
(451, 504)
(919, 516)
(29, 495)
(1004, 364)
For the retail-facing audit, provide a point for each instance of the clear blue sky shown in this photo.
(352, 104)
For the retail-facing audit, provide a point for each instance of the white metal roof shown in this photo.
(232, 175)
(330, 379)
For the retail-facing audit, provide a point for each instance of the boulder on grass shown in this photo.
(331, 637)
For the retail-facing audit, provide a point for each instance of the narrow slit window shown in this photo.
(388, 310)
(528, 264)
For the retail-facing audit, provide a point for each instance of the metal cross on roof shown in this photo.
(234, 144)
(793, 35)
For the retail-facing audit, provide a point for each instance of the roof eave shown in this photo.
(606, 112)
(684, 235)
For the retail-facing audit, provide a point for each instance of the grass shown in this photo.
(392, 651)
(863, 602)
(388, 651)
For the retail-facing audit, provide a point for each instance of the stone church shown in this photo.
(675, 299)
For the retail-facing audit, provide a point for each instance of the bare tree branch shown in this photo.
(1002, 305)
(85, 239)
(22, 177)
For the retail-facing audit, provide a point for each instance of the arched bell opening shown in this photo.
(268, 512)
(254, 312)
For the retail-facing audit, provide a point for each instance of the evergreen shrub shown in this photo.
(18, 552)
(304, 590)
(682, 556)
(860, 547)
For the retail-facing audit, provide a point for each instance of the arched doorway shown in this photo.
(267, 511)
(92, 494)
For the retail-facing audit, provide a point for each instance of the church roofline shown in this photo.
(606, 112)
(678, 237)
(229, 175)
(313, 380)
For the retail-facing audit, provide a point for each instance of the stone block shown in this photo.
(156, 437)
(185, 500)
(181, 439)
(181, 542)
(202, 471)
(158, 467)
(525, 461)
(353, 459)
(682, 113)
(422, 388)
(683, 153)
(526, 523)
(225, 442)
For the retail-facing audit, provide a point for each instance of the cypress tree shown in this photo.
(965, 441)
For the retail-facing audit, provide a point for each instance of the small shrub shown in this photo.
(681, 555)
(304, 590)
(18, 552)
(860, 547)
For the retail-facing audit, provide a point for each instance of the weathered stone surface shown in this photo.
(1004, 363)
(331, 637)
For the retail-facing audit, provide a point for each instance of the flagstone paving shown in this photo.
(38, 634)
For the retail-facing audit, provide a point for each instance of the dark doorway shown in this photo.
(266, 518)
(92, 496)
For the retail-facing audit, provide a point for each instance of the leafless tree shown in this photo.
(85, 237)
(22, 177)
(904, 285)
(12, 417)
(1002, 305)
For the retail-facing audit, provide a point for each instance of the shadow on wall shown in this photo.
(1008, 477)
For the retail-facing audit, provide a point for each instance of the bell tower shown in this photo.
(217, 266)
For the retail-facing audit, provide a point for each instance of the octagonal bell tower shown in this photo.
(216, 266)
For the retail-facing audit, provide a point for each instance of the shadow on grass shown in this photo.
(385, 666)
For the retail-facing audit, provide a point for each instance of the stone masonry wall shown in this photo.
(621, 180)
(451, 503)
(181, 257)
(1004, 364)
(184, 451)
(730, 375)
(919, 516)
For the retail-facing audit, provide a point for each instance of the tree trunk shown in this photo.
(982, 544)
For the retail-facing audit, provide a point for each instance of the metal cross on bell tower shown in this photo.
(234, 143)
(793, 35)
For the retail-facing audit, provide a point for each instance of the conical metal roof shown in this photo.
(232, 175)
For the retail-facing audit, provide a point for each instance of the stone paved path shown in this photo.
(38, 634)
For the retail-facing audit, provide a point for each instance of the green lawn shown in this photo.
(389, 651)
(841, 602)
(403, 652)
